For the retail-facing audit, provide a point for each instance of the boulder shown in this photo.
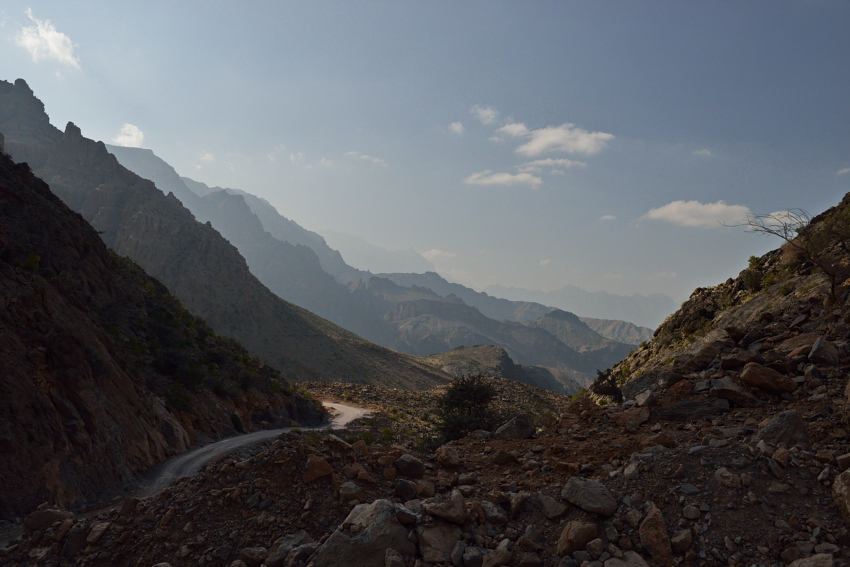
(824, 352)
(520, 427)
(630, 559)
(46, 518)
(841, 495)
(654, 538)
(410, 466)
(786, 428)
(769, 380)
(373, 529)
(436, 543)
(317, 467)
(575, 536)
(727, 389)
(453, 510)
(817, 560)
(589, 495)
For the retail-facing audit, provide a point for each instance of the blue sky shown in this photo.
(528, 144)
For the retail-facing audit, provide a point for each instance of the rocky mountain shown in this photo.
(491, 360)
(102, 372)
(369, 306)
(192, 259)
(357, 251)
(620, 331)
(493, 307)
(647, 310)
(571, 330)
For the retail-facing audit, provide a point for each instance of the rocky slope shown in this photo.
(102, 372)
(620, 331)
(192, 259)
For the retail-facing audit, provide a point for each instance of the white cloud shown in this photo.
(564, 138)
(514, 129)
(297, 158)
(703, 152)
(367, 157)
(130, 136)
(457, 128)
(45, 42)
(487, 178)
(545, 262)
(207, 157)
(696, 214)
(537, 165)
(843, 171)
(485, 114)
(607, 217)
(436, 255)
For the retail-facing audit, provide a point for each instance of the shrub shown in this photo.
(465, 407)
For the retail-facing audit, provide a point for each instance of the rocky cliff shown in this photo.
(102, 372)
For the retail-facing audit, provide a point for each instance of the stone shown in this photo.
(589, 495)
(473, 556)
(727, 389)
(841, 495)
(97, 532)
(824, 352)
(46, 518)
(630, 559)
(681, 541)
(727, 478)
(519, 427)
(317, 467)
(528, 559)
(447, 457)
(595, 547)
(817, 560)
(654, 538)
(453, 510)
(494, 513)
(373, 529)
(457, 553)
(437, 542)
(410, 466)
(843, 461)
(646, 398)
(575, 535)
(498, 557)
(552, 509)
(253, 556)
(662, 439)
(739, 360)
(785, 428)
(769, 380)
(393, 558)
(691, 512)
(350, 491)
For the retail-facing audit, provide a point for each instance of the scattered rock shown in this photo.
(519, 427)
(769, 380)
(589, 495)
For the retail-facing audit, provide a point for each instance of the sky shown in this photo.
(603, 144)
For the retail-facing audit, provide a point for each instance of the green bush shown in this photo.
(465, 407)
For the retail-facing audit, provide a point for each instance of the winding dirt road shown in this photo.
(193, 461)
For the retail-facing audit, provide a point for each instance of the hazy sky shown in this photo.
(530, 144)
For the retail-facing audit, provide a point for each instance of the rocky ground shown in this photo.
(686, 474)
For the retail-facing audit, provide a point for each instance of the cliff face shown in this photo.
(102, 372)
(193, 260)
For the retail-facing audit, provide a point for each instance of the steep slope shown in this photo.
(102, 372)
(193, 260)
(573, 331)
(282, 228)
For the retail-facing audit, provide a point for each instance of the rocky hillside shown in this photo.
(620, 331)
(192, 259)
(102, 372)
